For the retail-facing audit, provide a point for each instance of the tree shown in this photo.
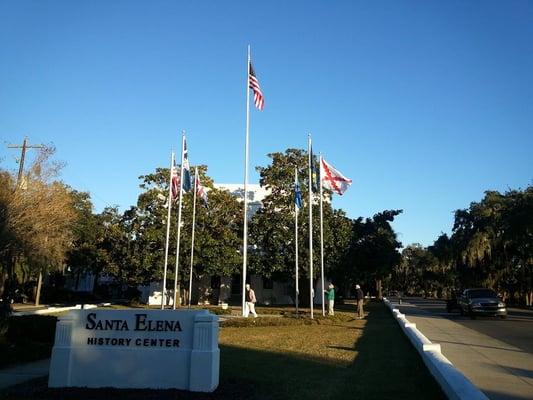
(374, 249)
(491, 245)
(443, 252)
(417, 272)
(37, 215)
(272, 228)
(218, 233)
(83, 254)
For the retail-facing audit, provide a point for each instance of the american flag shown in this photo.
(254, 85)
(200, 191)
(175, 182)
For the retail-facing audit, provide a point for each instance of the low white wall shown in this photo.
(451, 380)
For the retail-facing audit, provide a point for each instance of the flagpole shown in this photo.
(322, 242)
(246, 156)
(311, 290)
(296, 237)
(179, 221)
(192, 233)
(164, 288)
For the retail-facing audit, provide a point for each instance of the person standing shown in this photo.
(360, 299)
(250, 301)
(331, 298)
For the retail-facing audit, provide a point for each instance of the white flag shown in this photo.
(333, 179)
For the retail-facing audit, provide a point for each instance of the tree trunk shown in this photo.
(23, 277)
(77, 280)
(7, 278)
(178, 295)
(39, 284)
(95, 282)
(379, 289)
(3, 277)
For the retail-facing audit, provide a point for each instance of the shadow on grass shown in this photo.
(385, 367)
(342, 348)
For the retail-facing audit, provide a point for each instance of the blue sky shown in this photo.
(424, 104)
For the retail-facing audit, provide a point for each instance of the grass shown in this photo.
(16, 353)
(28, 338)
(367, 359)
(336, 358)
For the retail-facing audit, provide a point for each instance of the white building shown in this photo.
(256, 194)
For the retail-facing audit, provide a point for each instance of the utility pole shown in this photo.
(24, 146)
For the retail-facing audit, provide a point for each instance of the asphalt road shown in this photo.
(516, 330)
(495, 354)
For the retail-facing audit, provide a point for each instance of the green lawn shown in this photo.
(358, 359)
(340, 358)
(27, 339)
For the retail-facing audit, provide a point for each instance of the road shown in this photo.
(495, 354)
(516, 330)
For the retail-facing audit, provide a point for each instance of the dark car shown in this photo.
(481, 301)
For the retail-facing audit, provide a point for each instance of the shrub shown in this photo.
(54, 295)
(288, 319)
(266, 321)
(132, 294)
(32, 328)
(218, 310)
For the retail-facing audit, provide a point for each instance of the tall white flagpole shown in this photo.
(164, 288)
(311, 290)
(193, 229)
(246, 156)
(296, 237)
(322, 241)
(177, 270)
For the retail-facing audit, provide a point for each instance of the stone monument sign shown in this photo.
(159, 349)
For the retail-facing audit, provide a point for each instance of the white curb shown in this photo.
(51, 310)
(451, 380)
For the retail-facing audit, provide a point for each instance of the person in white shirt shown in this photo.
(250, 301)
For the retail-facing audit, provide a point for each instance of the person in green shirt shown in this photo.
(331, 298)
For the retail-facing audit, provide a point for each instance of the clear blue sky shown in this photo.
(424, 104)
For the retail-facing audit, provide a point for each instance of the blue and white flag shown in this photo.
(315, 174)
(297, 194)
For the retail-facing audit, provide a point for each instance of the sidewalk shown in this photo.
(24, 372)
(500, 370)
(17, 307)
(21, 310)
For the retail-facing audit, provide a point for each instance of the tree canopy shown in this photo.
(491, 245)
(46, 225)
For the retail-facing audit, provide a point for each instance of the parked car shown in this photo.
(481, 301)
